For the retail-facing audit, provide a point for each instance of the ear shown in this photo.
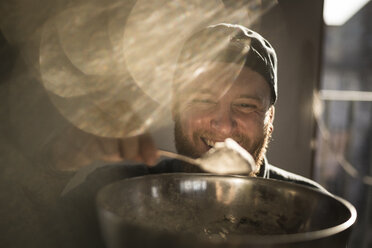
(272, 113)
(271, 118)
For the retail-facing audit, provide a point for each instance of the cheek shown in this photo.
(191, 120)
(251, 126)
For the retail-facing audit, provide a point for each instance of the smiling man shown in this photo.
(225, 86)
(243, 112)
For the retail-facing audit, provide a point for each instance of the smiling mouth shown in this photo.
(208, 142)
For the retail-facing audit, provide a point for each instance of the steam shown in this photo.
(108, 66)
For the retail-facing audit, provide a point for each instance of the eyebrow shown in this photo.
(251, 97)
(202, 91)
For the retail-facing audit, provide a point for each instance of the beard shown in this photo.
(258, 148)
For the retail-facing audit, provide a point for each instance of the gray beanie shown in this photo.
(238, 45)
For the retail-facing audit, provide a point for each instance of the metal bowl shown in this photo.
(204, 210)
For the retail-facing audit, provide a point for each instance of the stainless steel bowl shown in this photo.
(204, 210)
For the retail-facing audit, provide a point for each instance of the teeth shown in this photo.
(209, 142)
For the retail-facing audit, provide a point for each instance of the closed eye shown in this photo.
(246, 105)
(203, 98)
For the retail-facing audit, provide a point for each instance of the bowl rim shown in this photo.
(249, 238)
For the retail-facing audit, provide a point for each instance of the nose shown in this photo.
(223, 121)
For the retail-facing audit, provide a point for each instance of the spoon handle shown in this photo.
(178, 156)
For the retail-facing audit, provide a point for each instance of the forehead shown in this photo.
(220, 78)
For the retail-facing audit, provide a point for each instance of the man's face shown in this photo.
(212, 108)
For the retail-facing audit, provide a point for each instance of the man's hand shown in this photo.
(76, 149)
(139, 148)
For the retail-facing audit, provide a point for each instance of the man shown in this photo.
(225, 86)
(232, 95)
